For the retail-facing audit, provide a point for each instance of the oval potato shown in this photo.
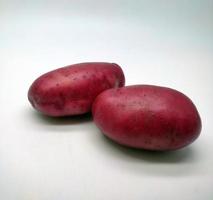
(147, 117)
(71, 90)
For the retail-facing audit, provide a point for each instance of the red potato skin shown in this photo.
(71, 90)
(147, 117)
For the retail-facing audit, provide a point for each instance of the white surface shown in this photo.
(163, 42)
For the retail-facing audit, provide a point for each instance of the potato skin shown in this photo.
(147, 117)
(71, 90)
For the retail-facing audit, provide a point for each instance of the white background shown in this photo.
(162, 42)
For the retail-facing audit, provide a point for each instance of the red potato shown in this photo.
(71, 90)
(147, 117)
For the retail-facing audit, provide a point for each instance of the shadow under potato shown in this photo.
(65, 120)
(182, 155)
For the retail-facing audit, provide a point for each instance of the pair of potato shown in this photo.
(139, 116)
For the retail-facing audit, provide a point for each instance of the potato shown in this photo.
(71, 90)
(147, 117)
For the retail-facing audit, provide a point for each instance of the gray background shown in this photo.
(165, 42)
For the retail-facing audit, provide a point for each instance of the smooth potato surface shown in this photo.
(147, 117)
(71, 90)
